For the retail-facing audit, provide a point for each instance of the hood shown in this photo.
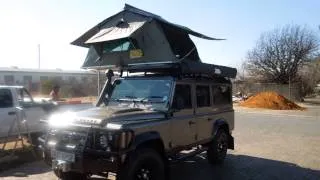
(102, 115)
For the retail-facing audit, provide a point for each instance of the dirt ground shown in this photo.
(269, 144)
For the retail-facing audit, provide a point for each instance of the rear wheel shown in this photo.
(218, 148)
(69, 175)
(144, 164)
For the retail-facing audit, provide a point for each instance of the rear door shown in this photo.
(203, 111)
(7, 112)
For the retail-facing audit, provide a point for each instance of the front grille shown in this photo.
(64, 139)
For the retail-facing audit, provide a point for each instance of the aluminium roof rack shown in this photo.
(182, 67)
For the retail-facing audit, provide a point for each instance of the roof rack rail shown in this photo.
(182, 67)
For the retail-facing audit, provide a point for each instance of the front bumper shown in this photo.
(92, 162)
(87, 159)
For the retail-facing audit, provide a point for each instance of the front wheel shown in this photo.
(144, 164)
(218, 148)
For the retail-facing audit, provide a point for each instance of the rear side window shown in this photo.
(5, 98)
(221, 94)
(182, 97)
(203, 96)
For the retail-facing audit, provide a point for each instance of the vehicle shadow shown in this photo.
(240, 167)
(197, 168)
(25, 170)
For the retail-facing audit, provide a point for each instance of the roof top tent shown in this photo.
(134, 40)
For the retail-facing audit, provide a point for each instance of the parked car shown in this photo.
(20, 114)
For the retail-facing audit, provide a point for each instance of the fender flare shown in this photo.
(145, 137)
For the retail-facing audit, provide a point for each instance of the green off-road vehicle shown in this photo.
(149, 112)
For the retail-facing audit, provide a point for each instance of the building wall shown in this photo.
(32, 79)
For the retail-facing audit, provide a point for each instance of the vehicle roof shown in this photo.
(10, 87)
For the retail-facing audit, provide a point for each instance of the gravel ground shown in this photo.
(269, 145)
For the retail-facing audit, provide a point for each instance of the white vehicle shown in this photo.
(20, 114)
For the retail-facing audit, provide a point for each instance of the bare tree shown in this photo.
(280, 53)
(310, 76)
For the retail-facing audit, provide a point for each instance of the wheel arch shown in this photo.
(150, 139)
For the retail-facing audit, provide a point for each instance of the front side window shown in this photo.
(182, 97)
(141, 93)
(24, 96)
(6, 100)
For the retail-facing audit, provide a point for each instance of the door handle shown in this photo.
(191, 123)
(11, 113)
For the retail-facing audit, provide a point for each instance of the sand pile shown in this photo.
(270, 100)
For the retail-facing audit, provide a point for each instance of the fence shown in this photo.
(292, 91)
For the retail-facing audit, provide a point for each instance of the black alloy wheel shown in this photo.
(218, 148)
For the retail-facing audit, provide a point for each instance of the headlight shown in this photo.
(61, 120)
(115, 140)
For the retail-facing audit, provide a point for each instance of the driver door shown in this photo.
(7, 112)
(33, 112)
(183, 124)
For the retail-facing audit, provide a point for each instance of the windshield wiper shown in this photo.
(126, 98)
(146, 99)
(142, 100)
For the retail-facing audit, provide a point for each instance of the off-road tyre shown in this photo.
(69, 175)
(218, 148)
(143, 164)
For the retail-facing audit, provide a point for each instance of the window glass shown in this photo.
(9, 80)
(182, 97)
(27, 79)
(23, 96)
(141, 93)
(5, 98)
(119, 45)
(221, 94)
(44, 78)
(203, 96)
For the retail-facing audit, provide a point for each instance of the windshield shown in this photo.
(141, 93)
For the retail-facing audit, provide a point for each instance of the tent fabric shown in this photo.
(161, 20)
(151, 40)
(87, 37)
(123, 30)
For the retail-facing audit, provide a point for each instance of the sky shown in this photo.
(55, 23)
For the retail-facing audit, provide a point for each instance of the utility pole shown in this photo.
(39, 56)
